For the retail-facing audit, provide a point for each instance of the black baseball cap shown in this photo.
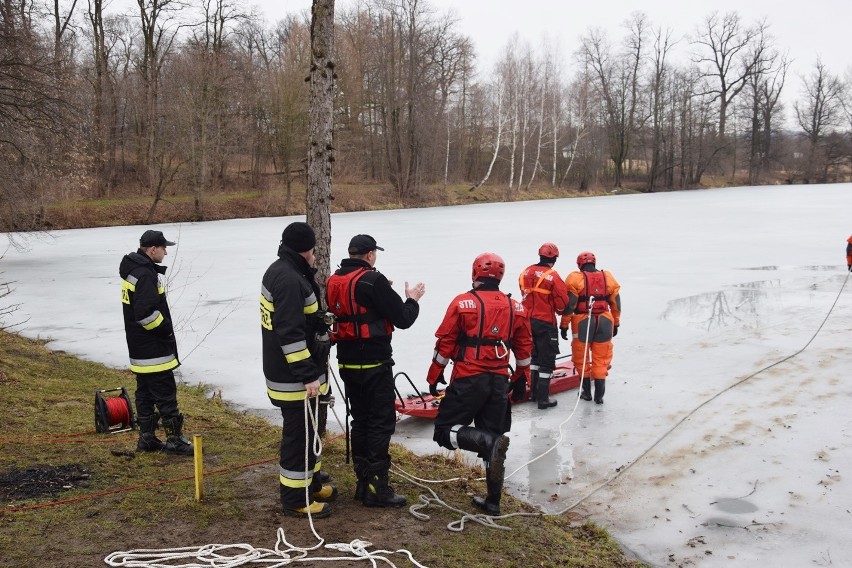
(154, 239)
(362, 244)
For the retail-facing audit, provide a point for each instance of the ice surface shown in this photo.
(685, 462)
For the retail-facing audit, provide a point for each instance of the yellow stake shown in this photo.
(199, 468)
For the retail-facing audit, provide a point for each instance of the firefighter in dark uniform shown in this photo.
(544, 295)
(151, 345)
(479, 330)
(593, 314)
(295, 360)
(367, 310)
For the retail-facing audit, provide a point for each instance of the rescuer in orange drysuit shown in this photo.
(594, 314)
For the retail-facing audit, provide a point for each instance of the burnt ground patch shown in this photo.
(42, 481)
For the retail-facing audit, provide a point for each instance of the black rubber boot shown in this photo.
(377, 490)
(491, 503)
(175, 442)
(360, 467)
(544, 401)
(533, 384)
(148, 440)
(600, 389)
(489, 447)
(587, 389)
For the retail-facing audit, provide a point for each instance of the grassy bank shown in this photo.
(69, 496)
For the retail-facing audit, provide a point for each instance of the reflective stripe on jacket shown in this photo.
(293, 350)
(147, 320)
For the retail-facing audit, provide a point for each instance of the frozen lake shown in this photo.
(686, 462)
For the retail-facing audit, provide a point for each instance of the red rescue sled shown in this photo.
(424, 405)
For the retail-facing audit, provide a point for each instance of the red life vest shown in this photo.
(487, 338)
(595, 287)
(354, 321)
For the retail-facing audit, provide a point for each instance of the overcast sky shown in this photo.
(807, 29)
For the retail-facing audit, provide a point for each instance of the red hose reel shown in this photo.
(113, 414)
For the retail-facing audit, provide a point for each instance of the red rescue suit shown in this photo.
(544, 293)
(593, 312)
(478, 331)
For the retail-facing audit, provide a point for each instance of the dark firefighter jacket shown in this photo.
(295, 342)
(147, 320)
(374, 292)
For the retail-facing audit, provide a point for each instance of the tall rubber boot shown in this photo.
(544, 401)
(491, 503)
(378, 492)
(587, 389)
(533, 384)
(360, 467)
(148, 440)
(175, 442)
(600, 389)
(489, 447)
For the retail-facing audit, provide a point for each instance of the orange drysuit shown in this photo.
(593, 312)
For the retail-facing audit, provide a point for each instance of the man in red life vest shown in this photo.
(849, 254)
(544, 295)
(594, 314)
(367, 309)
(479, 330)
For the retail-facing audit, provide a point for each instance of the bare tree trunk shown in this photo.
(497, 141)
(540, 131)
(447, 159)
(320, 148)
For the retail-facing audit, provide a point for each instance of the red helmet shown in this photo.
(488, 265)
(585, 257)
(549, 250)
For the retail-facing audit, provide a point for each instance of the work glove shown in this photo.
(564, 333)
(435, 376)
(615, 331)
(518, 386)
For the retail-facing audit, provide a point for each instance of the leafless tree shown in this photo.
(617, 83)
(660, 77)
(727, 54)
(818, 114)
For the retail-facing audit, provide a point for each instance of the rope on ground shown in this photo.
(459, 524)
(241, 554)
(284, 553)
(689, 415)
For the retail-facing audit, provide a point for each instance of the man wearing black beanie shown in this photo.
(295, 358)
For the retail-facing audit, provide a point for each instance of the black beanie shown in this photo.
(299, 237)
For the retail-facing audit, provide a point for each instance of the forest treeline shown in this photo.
(196, 97)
